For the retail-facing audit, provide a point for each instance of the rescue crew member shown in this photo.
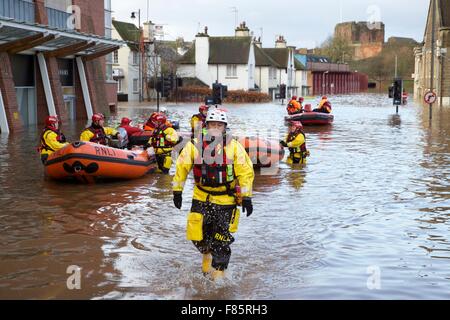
(223, 175)
(125, 123)
(324, 106)
(163, 139)
(151, 124)
(51, 138)
(300, 102)
(198, 120)
(296, 142)
(293, 106)
(97, 133)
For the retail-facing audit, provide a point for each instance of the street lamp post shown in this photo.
(133, 16)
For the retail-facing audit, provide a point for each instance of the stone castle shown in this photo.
(366, 38)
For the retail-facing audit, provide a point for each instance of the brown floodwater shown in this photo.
(366, 218)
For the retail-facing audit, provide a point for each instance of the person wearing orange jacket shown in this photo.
(324, 106)
(293, 106)
(51, 138)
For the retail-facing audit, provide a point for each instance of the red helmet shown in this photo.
(125, 121)
(301, 99)
(152, 119)
(160, 119)
(296, 124)
(324, 98)
(97, 117)
(50, 121)
(203, 108)
(294, 97)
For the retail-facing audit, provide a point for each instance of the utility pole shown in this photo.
(133, 16)
(396, 65)
(433, 40)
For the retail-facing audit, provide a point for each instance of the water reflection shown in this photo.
(375, 192)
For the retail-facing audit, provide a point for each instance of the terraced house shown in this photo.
(241, 63)
(55, 58)
(228, 60)
(422, 73)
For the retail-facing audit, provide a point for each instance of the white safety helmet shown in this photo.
(163, 110)
(216, 114)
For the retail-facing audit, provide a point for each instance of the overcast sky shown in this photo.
(303, 23)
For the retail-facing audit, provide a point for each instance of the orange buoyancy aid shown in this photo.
(214, 174)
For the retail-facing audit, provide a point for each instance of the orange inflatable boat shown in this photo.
(263, 153)
(87, 162)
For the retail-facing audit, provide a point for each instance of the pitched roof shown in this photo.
(229, 50)
(298, 65)
(128, 32)
(262, 59)
(222, 50)
(279, 55)
(188, 57)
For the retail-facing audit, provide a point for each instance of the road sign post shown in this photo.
(430, 98)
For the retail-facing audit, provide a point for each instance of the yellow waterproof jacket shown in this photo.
(170, 136)
(196, 121)
(297, 142)
(87, 135)
(242, 166)
(325, 105)
(51, 141)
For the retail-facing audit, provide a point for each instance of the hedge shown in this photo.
(198, 94)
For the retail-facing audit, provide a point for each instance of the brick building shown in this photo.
(365, 38)
(422, 73)
(54, 59)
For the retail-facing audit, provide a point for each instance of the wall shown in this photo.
(240, 82)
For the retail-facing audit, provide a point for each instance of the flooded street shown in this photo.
(373, 202)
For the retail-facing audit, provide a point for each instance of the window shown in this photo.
(135, 85)
(119, 85)
(109, 72)
(116, 57)
(272, 73)
(108, 19)
(135, 58)
(231, 70)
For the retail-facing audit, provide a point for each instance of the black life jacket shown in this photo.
(213, 174)
(99, 135)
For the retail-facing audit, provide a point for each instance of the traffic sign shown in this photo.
(430, 97)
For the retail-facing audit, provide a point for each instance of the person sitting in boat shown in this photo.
(97, 133)
(296, 142)
(293, 106)
(51, 138)
(198, 120)
(324, 106)
(300, 102)
(163, 139)
(125, 123)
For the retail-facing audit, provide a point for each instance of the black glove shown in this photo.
(247, 206)
(283, 143)
(177, 199)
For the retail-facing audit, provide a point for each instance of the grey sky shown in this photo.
(303, 23)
